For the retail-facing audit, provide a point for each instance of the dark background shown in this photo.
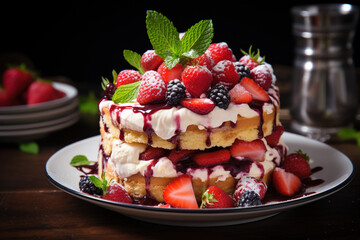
(84, 41)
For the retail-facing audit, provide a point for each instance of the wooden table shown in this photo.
(32, 208)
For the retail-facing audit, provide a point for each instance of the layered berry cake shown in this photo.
(191, 121)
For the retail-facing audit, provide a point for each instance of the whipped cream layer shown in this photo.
(166, 121)
(125, 161)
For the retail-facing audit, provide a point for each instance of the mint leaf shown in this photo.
(197, 39)
(134, 59)
(80, 160)
(126, 93)
(98, 183)
(29, 147)
(163, 35)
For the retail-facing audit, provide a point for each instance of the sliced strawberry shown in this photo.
(180, 193)
(176, 156)
(150, 60)
(127, 76)
(262, 76)
(215, 197)
(152, 153)
(224, 72)
(170, 74)
(220, 51)
(273, 139)
(238, 94)
(211, 158)
(256, 91)
(197, 79)
(285, 183)
(255, 150)
(152, 88)
(297, 163)
(117, 193)
(198, 105)
(247, 183)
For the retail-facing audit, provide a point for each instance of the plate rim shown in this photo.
(266, 207)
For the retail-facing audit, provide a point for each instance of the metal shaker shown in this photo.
(324, 92)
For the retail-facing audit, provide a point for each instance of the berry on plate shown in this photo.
(211, 158)
(298, 164)
(152, 88)
(200, 106)
(255, 150)
(215, 197)
(150, 60)
(254, 89)
(170, 74)
(127, 76)
(117, 193)
(238, 94)
(220, 51)
(40, 91)
(247, 183)
(285, 183)
(197, 79)
(262, 76)
(224, 72)
(180, 193)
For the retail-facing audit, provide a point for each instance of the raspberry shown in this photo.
(220, 96)
(225, 73)
(88, 186)
(152, 88)
(175, 92)
(241, 69)
(127, 76)
(220, 51)
(249, 198)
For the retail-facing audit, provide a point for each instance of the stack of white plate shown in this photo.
(25, 123)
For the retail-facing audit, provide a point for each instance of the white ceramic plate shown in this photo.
(337, 172)
(70, 91)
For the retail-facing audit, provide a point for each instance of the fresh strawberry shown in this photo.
(211, 158)
(117, 193)
(273, 139)
(247, 183)
(262, 76)
(204, 60)
(150, 60)
(238, 94)
(197, 79)
(39, 92)
(16, 81)
(297, 163)
(168, 75)
(180, 193)
(152, 153)
(152, 88)
(248, 61)
(215, 197)
(176, 156)
(254, 89)
(4, 100)
(127, 76)
(163, 205)
(200, 106)
(285, 183)
(224, 72)
(220, 51)
(255, 150)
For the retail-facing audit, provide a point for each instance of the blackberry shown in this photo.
(88, 186)
(219, 94)
(243, 70)
(249, 198)
(175, 92)
(109, 91)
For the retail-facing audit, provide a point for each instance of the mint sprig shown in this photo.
(134, 59)
(126, 93)
(102, 184)
(80, 160)
(165, 40)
